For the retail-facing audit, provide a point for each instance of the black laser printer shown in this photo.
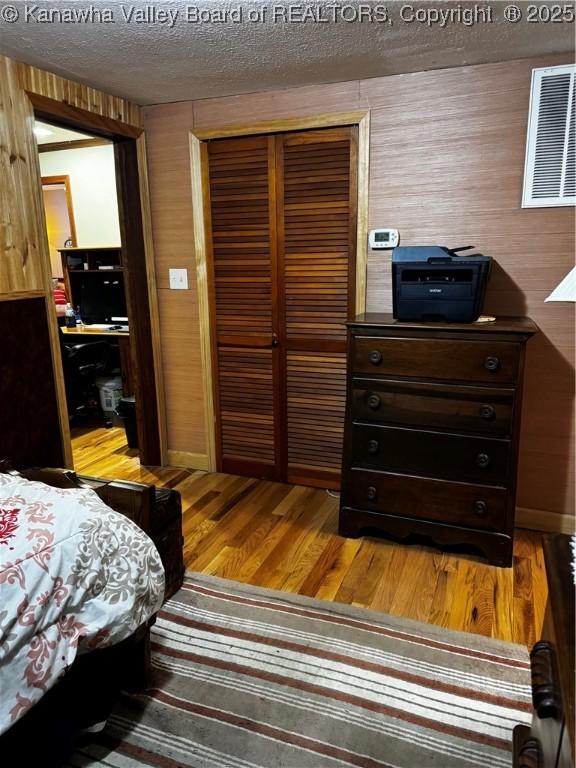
(432, 282)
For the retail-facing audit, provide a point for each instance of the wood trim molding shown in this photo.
(46, 281)
(58, 146)
(66, 114)
(362, 226)
(283, 126)
(188, 460)
(47, 181)
(542, 520)
(136, 282)
(152, 293)
(54, 333)
(199, 176)
(199, 213)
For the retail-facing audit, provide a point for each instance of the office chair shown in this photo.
(83, 364)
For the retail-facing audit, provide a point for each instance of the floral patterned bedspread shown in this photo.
(74, 576)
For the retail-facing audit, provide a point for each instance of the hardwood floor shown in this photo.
(285, 537)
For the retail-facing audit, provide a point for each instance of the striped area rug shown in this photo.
(246, 677)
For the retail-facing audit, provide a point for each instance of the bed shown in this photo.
(79, 585)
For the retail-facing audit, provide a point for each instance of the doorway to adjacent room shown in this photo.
(88, 188)
(59, 212)
(83, 228)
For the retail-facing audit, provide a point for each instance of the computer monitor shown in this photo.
(100, 295)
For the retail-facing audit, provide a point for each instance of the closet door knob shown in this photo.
(375, 357)
(487, 412)
(371, 493)
(373, 447)
(481, 508)
(492, 363)
(482, 460)
(374, 402)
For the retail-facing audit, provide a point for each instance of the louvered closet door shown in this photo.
(317, 203)
(243, 277)
(283, 219)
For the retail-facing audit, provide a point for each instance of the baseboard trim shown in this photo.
(542, 520)
(188, 460)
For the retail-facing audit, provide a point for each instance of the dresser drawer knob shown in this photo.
(374, 402)
(481, 508)
(487, 412)
(482, 460)
(373, 447)
(375, 357)
(492, 363)
(371, 493)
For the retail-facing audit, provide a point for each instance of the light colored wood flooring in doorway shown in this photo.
(285, 537)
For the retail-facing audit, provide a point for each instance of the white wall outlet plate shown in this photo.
(178, 279)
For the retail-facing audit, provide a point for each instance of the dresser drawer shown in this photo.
(458, 408)
(482, 361)
(476, 506)
(433, 454)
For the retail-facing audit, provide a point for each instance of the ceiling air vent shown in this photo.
(550, 171)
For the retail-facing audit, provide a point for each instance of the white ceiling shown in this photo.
(58, 134)
(154, 62)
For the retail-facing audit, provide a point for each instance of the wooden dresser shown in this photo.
(432, 430)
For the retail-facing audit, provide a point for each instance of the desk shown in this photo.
(87, 330)
(87, 333)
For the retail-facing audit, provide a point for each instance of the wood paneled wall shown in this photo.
(446, 167)
(23, 245)
(75, 94)
(24, 258)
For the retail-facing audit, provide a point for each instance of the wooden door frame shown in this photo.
(201, 221)
(137, 251)
(48, 181)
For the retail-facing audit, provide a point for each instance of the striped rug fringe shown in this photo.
(252, 678)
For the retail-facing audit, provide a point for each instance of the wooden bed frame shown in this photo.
(47, 734)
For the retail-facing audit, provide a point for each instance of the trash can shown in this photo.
(110, 391)
(126, 410)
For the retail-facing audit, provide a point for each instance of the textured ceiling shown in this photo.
(152, 61)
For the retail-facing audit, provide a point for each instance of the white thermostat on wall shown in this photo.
(383, 238)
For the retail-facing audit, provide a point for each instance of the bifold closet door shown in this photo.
(243, 237)
(283, 215)
(317, 206)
